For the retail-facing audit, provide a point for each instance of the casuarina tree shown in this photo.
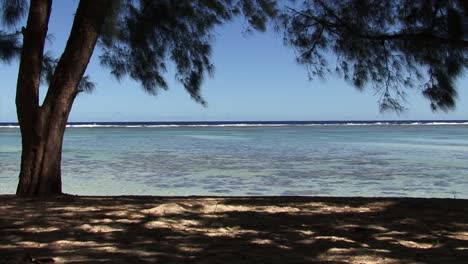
(137, 38)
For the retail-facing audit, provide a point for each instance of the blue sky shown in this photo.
(256, 78)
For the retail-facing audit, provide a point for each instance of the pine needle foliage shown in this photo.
(388, 45)
(141, 37)
(9, 46)
(11, 12)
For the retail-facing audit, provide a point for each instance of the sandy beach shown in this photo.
(146, 229)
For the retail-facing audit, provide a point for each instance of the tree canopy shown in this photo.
(389, 45)
(140, 37)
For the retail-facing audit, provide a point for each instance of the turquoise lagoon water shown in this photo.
(366, 159)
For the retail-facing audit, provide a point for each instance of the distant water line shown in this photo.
(253, 123)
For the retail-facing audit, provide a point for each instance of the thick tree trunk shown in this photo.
(40, 173)
(43, 127)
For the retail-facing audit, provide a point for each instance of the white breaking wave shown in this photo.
(444, 123)
(396, 123)
(91, 126)
(188, 125)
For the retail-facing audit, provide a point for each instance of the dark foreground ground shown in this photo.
(233, 230)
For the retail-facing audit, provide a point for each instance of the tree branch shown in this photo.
(34, 35)
(72, 64)
(423, 34)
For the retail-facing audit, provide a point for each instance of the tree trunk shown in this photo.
(43, 127)
(40, 173)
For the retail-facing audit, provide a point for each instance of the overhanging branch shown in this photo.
(416, 35)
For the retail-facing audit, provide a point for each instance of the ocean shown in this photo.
(326, 158)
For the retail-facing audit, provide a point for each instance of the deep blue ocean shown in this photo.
(323, 158)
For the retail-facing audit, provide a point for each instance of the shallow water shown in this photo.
(326, 160)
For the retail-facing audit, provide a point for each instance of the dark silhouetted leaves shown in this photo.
(9, 46)
(12, 11)
(141, 37)
(390, 45)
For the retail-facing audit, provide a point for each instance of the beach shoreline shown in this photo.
(191, 229)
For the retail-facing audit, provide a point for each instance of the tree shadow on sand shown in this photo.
(233, 230)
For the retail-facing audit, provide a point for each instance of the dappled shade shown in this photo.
(235, 230)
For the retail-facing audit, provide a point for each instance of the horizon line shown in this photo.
(269, 121)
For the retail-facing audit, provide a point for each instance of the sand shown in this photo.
(139, 229)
